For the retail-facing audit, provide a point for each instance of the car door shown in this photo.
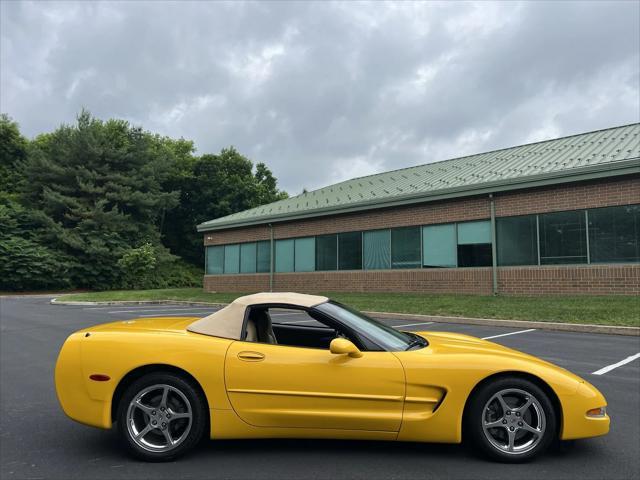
(284, 386)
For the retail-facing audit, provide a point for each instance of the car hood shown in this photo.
(456, 343)
(443, 343)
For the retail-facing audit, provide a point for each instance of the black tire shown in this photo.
(485, 408)
(186, 432)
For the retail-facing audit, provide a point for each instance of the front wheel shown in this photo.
(511, 420)
(160, 417)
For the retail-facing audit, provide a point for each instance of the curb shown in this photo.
(494, 322)
(487, 322)
(55, 301)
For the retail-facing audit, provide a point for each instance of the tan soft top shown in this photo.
(227, 322)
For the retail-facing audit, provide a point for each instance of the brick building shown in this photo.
(554, 217)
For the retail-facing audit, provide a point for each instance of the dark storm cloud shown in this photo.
(322, 92)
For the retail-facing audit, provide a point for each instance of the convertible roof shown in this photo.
(227, 322)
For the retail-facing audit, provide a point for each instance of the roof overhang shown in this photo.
(613, 169)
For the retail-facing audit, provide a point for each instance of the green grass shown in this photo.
(609, 310)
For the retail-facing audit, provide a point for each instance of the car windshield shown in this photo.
(383, 335)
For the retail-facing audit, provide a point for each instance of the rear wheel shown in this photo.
(511, 420)
(161, 416)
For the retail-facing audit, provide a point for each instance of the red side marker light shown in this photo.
(99, 377)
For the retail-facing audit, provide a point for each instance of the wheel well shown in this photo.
(139, 372)
(526, 376)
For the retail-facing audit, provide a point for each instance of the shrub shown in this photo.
(151, 266)
(137, 265)
(27, 265)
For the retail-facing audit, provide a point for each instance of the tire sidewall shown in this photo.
(198, 421)
(475, 414)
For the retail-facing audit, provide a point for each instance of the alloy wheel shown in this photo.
(513, 421)
(159, 418)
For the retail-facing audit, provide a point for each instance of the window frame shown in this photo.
(581, 219)
(237, 245)
(535, 237)
(206, 259)
(364, 252)
(363, 344)
(255, 257)
(275, 255)
(414, 265)
(352, 232)
(454, 225)
(337, 247)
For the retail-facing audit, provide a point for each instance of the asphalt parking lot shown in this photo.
(38, 441)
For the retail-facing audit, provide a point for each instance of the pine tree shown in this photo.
(99, 186)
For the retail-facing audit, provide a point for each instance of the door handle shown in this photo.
(251, 356)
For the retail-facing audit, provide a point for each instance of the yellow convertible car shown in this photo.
(322, 370)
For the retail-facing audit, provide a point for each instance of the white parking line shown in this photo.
(181, 314)
(162, 310)
(510, 333)
(412, 324)
(608, 368)
(297, 321)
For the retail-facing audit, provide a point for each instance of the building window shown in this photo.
(215, 260)
(474, 244)
(232, 258)
(405, 247)
(263, 254)
(439, 246)
(377, 249)
(562, 238)
(305, 254)
(327, 252)
(350, 251)
(517, 242)
(284, 256)
(614, 234)
(248, 258)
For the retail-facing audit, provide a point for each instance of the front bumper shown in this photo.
(576, 423)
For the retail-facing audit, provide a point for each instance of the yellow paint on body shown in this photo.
(273, 391)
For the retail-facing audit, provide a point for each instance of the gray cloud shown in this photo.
(322, 92)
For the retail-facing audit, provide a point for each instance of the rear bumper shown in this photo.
(72, 390)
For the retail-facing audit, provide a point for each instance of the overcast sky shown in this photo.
(325, 92)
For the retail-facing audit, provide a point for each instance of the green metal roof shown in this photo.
(603, 153)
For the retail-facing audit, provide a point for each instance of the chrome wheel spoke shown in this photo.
(165, 394)
(144, 431)
(512, 440)
(496, 424)
(178, 416)
(528, 428)
(525, 406)
(146, 409)
(167, 436)
(503, 404)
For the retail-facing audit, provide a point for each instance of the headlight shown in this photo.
(597, 412)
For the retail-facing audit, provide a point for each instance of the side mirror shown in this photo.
(341, 346)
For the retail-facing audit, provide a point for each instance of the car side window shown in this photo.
(294, 327)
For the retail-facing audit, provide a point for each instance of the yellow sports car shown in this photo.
(168, 382)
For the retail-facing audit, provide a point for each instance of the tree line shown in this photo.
(104, 204)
